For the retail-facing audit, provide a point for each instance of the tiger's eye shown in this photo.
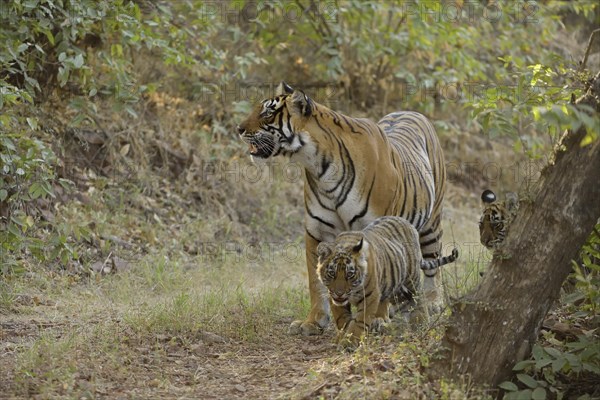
(331, 272)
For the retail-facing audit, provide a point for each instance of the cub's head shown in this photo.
(342, 266)
(275, 125)
(496, 217)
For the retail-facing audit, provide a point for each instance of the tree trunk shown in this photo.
(496, 324)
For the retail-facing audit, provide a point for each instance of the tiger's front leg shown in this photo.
(341, 315)
(318, 317)
(382, 316)
(366, 313)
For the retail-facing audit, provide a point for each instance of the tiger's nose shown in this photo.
(240, 130)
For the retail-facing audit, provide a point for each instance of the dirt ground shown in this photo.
(211, 367)
(205, 366)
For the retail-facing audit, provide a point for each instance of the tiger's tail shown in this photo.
(428, 265)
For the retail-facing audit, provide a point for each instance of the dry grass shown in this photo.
(178, 323)
(152, 326)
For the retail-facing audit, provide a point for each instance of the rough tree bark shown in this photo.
(496, 324)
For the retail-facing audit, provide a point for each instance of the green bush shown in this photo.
(26, 175)
(84, 49)
(90, 52)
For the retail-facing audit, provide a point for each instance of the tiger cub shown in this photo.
(496, 217)
(370, 269)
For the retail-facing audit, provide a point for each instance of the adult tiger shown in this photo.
(354, 171)
(496, 217)
(370, 269)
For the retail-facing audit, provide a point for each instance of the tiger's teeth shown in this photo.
(252, 148)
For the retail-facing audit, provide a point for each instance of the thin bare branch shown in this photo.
(587, 50)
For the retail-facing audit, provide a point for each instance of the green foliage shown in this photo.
(585, 300)
(538, 99)
(88, 45)
(408, 53)
(522, 110)
(541, 375)
(26, 175)
(85, 49)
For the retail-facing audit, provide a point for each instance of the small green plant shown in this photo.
(543, 374)
(585, 300)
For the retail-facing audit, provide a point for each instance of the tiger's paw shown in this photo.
(433, 295)
(304, 328)
(435, 303)
(378, 325)
(350, 337)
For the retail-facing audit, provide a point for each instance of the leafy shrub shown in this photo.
(552, 367)
(85, 48)
(26, 175)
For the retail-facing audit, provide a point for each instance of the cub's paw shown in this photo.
(378, 325)
(350, 337)
(304, 328)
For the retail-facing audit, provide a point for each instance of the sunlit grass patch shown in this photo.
(234, 312)
(160, 274)
(461, 277)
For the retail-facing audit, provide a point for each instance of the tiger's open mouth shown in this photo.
(262, 148)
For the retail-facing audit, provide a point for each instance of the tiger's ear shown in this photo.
(324, 250)
(358, 246)
(300, 104)
(283, 88)
(488, 196)
(361, 251)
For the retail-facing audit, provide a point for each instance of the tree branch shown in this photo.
(587, 50)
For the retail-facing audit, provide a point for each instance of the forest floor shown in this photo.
(177, 326)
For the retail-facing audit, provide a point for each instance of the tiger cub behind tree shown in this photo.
(496, 218)
(372, 268)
